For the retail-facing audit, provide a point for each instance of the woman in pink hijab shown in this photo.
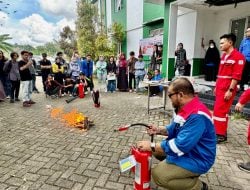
(122, 73)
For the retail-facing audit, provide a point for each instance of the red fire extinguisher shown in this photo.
(143, 159)
(81, 90)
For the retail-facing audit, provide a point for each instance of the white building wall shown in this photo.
(213, 24)
(204, 30)
(172, 31)
(133, 39)
(108, 13)
(134, 25)
(223, 18)
(186, 28)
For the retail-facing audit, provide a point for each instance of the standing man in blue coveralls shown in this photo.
(245, 50)
(190, 147)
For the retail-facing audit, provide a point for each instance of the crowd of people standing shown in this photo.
(113, 73)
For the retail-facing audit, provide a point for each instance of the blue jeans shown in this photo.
(6, 84)
(111, 85)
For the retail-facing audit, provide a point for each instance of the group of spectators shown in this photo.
(67, 79)
(13, 73)
(60, 78)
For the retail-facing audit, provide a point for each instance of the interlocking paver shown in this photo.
(38, 152)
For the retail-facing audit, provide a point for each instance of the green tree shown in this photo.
(103, 46)
(118, 35)
(5, 46)
(51, 48)
(67, 41)
(87, 20)
(19, 48)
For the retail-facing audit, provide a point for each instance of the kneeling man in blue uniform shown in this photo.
(190, 147)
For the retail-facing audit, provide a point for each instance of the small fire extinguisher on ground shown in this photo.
(142, 169)
(81, 90)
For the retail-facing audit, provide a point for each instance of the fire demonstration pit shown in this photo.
(73, 118)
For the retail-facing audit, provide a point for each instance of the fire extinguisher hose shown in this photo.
(123, 128)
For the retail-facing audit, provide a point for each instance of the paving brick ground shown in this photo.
(38, 152)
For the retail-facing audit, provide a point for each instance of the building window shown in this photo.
(118, 5)
(238, 28)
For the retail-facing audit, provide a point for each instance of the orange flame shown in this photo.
(55, 112)
(72, 118)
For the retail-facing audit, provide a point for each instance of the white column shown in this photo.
(108, 13)
(172, 32)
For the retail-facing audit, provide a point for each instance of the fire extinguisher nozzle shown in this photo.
(122, 128)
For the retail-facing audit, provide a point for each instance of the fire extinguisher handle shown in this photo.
(152, 138)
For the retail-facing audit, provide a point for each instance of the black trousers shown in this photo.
(90, 83)
(34, 83)
(245, 75)
(15, 86)
(69, 89)
(44, 78)
(131, 80)
(53, 91)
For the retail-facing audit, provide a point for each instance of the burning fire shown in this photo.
(72, 118)
(55, 112)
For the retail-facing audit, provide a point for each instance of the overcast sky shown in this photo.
(36, 22)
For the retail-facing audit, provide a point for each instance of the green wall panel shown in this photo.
(165, 59)
(152, 11)
(171, 63)
(197, 66)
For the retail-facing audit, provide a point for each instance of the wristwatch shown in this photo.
(231, 89)
(152, 145)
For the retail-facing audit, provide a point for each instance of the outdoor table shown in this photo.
(165, 86)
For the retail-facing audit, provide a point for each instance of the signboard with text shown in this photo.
(147, 44)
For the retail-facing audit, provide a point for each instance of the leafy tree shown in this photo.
(51, 48)
(19, 48)
(118, 35)
(5, 46)
(103, 46)
(87, 20)
(67, 41)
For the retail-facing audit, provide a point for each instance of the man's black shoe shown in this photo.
(221, 139)
(244, 166)
(204, 186)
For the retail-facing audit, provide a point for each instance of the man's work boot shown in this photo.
(244, 166)
(221, 139)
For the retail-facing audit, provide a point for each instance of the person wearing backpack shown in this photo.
(12, 69)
